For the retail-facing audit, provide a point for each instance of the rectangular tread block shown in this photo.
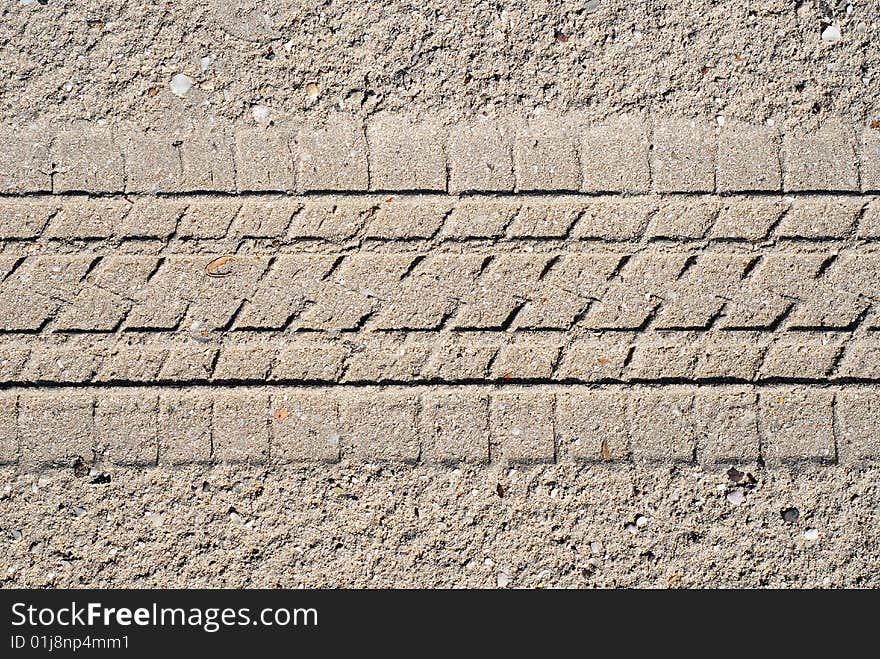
(126, 423)
(240, 428)
(304, 427)
(797, 426)
(333, 155)
(546, 156)
(591, 425)
(662, 426)
(748, 158)
(683, 156)
(456, 426)
(824, 159)
(406, 154)
(858, 419)
(25, 159)
(522, 427)
(481, 157)
(152, 161)
(56, 428)
(265, 159)
(614, 156)
(380, 425)
(728, 430)
(88, 159)
(184, 428)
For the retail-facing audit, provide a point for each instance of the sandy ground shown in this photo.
(756, 61)
(360, 525)
(371, 526)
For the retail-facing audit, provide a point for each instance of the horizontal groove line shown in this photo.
(437, 194)
(467, 382)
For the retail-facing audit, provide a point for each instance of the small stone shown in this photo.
(811, 534)
(206, 62)
(632, 528)
(595, 547)
(312, 91)
(260, 113)
(641, 521)
(831, 34)
(181, 84)
(16, 534)
(591, 6)
(235, 518)
(503, 579)
(791, 515)
(155, 519)
(736, 496)
(79, 511)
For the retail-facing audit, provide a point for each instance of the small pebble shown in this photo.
(791, 515)
(155, 519)
(79, 511)
(811, 534)
(16, 534)
(595, 547)
(206, 62)
(181, 84)
(641, 521)
(632, 528)
(591, 6)
(260, 113)
(312, 91)
(503, 579)
(235, 518)
(736, 496)
(831, 34)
